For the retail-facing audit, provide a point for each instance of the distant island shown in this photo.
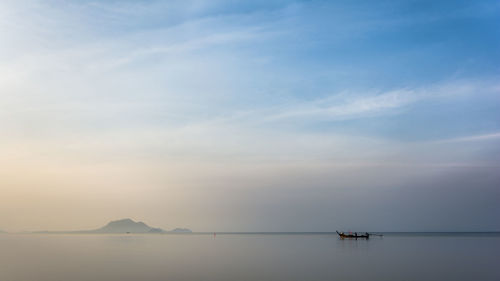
(181, 230)
(124, 226)
(130, 226)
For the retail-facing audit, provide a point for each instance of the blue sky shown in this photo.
(161, 105)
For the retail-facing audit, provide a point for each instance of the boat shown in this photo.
(343, 235)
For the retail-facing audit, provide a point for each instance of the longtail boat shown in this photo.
(343, 235)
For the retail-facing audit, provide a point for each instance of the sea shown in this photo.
(249, 256)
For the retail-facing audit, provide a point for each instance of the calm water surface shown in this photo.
(248, 257)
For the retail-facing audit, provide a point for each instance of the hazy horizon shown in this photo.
(211, 231)
(250, 115)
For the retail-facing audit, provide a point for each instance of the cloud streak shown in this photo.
(474, 138)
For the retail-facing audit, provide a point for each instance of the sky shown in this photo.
(269, 115)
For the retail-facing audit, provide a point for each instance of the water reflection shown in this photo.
(246, 257)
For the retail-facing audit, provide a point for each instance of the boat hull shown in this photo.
(352, 236)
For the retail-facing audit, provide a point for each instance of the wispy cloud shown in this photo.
(473, 138)
(355, 105)
(344, 106)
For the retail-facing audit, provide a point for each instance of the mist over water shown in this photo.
(248, 257)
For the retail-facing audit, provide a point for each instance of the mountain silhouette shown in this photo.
(130, 226)
(127, 226)
(120, 226)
